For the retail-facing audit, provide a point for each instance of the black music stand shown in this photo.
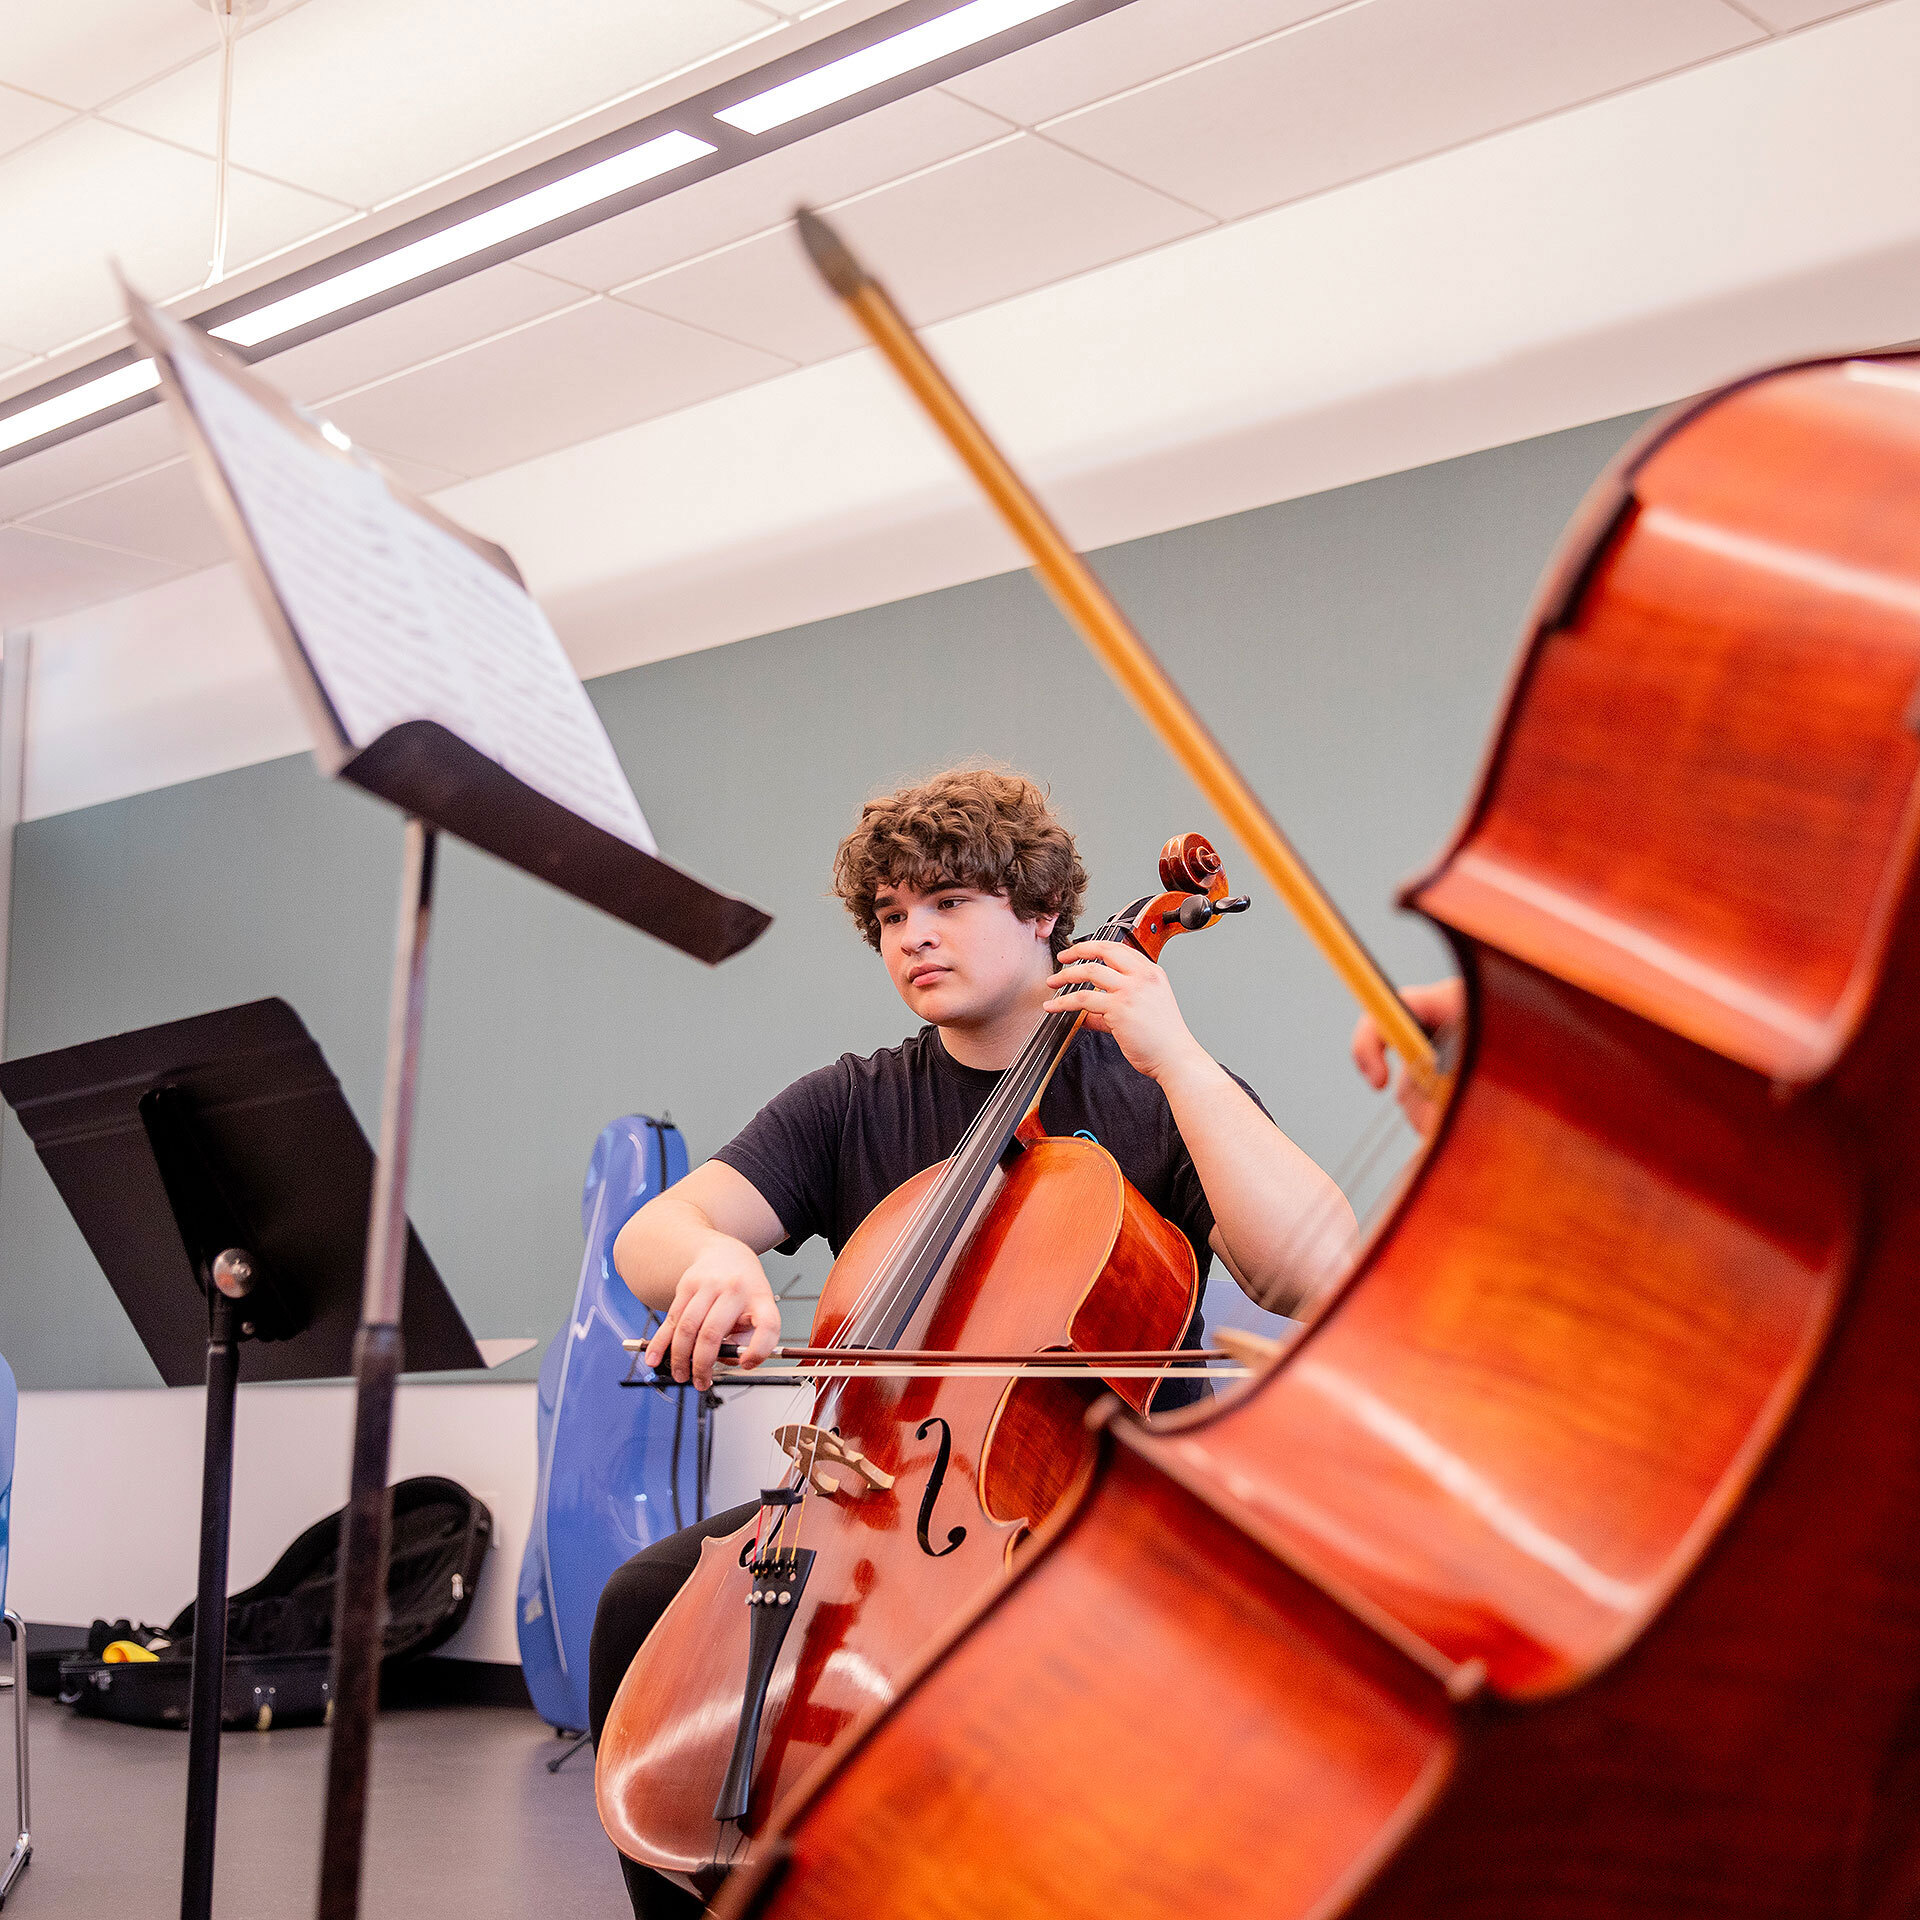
(428, 678)
(222, 1182)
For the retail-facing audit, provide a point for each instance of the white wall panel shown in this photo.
(140, 693)
(106, 1505)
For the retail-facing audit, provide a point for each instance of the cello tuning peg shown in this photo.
(1193, 913)
(1199, 911)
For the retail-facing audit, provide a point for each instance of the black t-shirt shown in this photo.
(828, 1150)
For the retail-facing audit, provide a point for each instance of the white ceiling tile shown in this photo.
(558, 381)
(23, 118)
(1384, 83)
(85, 51)
(11, 357)
(1784, 15)
(91, 193)
(162, 514)
(415, 475)
(41, 577)
(848, 10)
(365, 100)
(1122, 49)
(418, 329)
(88, 460)
(980, 229)
(760, 291)
(919, 131)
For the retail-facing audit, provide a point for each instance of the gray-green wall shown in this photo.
(1349, 650)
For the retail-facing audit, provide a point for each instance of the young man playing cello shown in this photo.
(968, 887)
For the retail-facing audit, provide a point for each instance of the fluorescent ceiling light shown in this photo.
(504, 222)
(884, 60)
(96, 396)
(395, 275)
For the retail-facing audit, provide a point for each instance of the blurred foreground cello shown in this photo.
(1569, 1565)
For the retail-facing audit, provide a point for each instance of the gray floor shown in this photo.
(466, 1820)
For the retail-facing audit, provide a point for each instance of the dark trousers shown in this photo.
(636, 1596)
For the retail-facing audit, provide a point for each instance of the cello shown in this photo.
(1566, 1566)
(910, 1483)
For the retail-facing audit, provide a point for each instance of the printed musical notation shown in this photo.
(399, 619)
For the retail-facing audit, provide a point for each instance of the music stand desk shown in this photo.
(177, 1148)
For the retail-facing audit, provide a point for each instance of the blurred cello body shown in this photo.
(1568, 1566)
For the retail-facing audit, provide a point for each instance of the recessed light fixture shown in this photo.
(479, 234)
(856, 70)
(885, 60)
(77, 403)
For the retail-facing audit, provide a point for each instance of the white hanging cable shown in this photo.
(228, 17)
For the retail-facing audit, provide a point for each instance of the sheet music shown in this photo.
(398, 619)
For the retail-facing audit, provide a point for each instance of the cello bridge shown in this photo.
(830, 1464)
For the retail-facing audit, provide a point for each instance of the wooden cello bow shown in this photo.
(1565, 1567)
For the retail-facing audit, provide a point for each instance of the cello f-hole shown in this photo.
(935, 1481)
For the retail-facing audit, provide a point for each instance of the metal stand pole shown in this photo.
(16, 1863)
(360, 1614)
(210, 1611)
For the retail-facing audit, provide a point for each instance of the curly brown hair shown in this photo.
(969, 827)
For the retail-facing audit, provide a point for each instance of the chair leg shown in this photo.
(23, 1846)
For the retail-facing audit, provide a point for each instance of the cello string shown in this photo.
(1013, 1088)
(961, 1165)
(856, 1315)
(779, 1466)
(1113, 930)
(1351, 1173)
(888, 1282)
(881, 1293)
(1358, 1161)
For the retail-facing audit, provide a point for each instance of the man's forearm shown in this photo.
(1286, 1226)
(659, 1244)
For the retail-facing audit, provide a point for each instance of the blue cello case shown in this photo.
(618, 1469)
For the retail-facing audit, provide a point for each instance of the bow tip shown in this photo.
(829, 254)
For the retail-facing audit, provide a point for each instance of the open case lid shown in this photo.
(426, 673)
